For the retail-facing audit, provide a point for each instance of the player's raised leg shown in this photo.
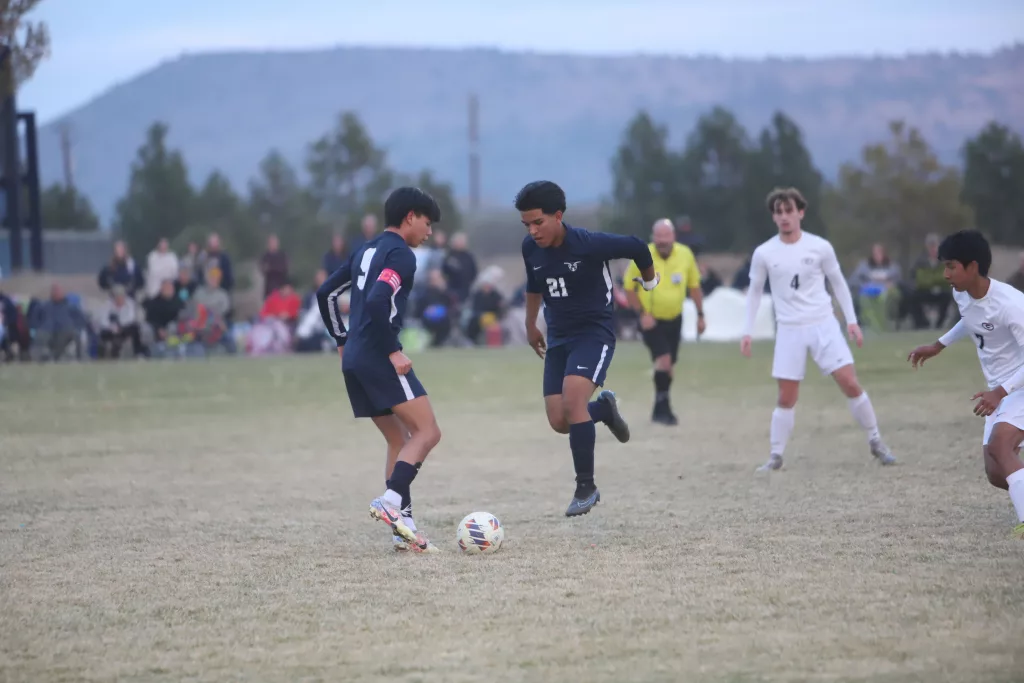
(862, 411)
(604, 409)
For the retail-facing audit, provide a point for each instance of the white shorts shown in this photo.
(824, 341)
(1009, 410)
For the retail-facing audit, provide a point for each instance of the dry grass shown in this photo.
(208, 522)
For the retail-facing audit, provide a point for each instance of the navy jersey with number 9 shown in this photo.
(380, 275)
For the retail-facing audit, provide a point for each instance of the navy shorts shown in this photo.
(585, 357)
(375, 388)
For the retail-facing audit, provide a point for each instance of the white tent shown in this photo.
(725, 312)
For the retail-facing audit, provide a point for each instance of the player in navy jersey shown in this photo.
(378, 376)
(567, 269)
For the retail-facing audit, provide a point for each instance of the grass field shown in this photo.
(207, 521)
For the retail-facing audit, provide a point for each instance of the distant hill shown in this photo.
(553, 116)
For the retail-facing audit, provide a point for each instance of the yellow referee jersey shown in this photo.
(679, 274)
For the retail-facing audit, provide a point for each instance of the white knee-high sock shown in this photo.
(864, 413)
(1016, 484)
(782, 427)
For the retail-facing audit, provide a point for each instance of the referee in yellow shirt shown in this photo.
(661, 309)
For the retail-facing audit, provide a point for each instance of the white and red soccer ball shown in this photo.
(479, 533)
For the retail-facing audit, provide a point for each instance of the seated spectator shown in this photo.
(119, 323)
(272, 335)
(121, 270)
(283, 304)
(162, 314)
(1017, 279)
(875, 287)
(709, 280)
(14, 338)
(928, 287)
(57, 324)
(185, 285)
(435, 309)
(205, 319)
(486, 310)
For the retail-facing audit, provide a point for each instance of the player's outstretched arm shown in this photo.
(327, 300)
(919, 355)
(834, 273)
(608, 247)
(758, 276)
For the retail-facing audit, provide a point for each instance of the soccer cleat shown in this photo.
(665, 417)
(774, 463)
(383, 511)
(581, 506)
(617, 424)
(882, 452)
(422, 544)
(1018, 532)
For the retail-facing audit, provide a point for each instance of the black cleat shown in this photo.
(581, 506)
(665, 418)
(617, 423)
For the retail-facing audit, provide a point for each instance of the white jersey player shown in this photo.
(992, 316)
(797, 263)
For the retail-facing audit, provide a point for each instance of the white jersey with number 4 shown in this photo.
(797, 273)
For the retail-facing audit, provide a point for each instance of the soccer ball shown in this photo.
(478, 533)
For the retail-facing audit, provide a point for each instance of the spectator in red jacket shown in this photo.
(283, 303)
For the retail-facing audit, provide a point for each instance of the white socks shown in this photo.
(782, 427)
(1016, 483)
(392, 498)
(864, 413)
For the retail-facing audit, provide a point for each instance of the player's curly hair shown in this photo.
(409, 199)
(966, 247)
(541, 194)
(785, 195)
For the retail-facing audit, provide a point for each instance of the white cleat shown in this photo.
(774, 463)
(882, 452)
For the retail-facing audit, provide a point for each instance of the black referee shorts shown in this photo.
(664, 337)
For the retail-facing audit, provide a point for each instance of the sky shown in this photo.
(97, 44)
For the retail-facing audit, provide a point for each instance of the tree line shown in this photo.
(896, 192)
(346, 176)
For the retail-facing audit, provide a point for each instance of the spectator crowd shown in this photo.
(183, 305)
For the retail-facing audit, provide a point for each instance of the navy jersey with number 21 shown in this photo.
(576, 281)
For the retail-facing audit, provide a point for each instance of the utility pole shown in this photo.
(65, 154)
(474, 153)
(9, 144)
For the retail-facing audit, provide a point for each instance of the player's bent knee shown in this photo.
(993, 467)
(789, 392)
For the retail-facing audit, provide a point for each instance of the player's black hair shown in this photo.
(541, 194)
(405, 199)
(788, 195)
(967, 246)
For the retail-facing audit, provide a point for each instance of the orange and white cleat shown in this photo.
(383, 511)
(422, 544)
